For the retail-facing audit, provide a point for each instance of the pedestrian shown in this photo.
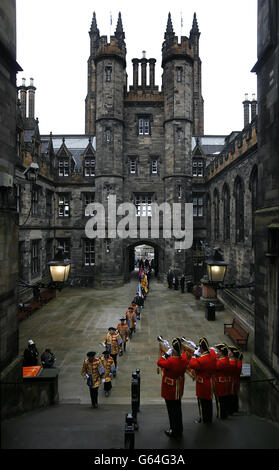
(174, 364)
(113, 343)
(30, 355)
(170, 278)
(108, 364)
(93, 370)
(123, 329)
(204, 367)
(140, 303)
(221, 381)
(131, 318)
(48, 359)
(182, 283)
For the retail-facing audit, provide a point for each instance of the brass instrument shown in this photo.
(189, 348)
(164, 346)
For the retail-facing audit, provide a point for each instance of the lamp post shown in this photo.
(216, 272)
(59, 268)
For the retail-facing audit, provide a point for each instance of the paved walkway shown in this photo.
(76, 322)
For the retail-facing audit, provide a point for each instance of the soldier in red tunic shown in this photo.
(221, 380)
(235, 367)
(174, 368)
(204, 366)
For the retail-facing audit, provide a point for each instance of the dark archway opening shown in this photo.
(145, 252)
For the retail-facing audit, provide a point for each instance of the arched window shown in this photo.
(239, 209)
(216, 213)
(253, 186)
(226, 212)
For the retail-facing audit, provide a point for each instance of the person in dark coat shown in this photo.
(30, 355)
(170, 278)
(182, 283)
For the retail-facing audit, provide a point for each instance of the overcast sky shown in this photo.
(53, 48)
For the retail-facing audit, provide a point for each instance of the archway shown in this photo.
(149, 250)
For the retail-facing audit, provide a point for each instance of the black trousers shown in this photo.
(222, 407)
(114, 357)
(206, 410)
(175, 416)
(94, 395)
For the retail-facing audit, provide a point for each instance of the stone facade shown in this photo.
(8, 215)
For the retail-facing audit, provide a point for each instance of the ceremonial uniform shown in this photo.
(221, 381)
(172, 388)
(123, 329)
(235, 367)
(131, 318)
(109, 367)
(204, 367)
(93, 369)
(113, 343)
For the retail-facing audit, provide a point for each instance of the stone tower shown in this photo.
(143, 143)
(178, 66)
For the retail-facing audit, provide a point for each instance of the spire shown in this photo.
(119, 33)
(169, 34)
(195, 27)
(94, 28)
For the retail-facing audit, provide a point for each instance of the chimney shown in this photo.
(152, 73)
(143, 70)
(246, 108)
(254, 106)
(22, 90)
(31, 99)
(135, 73)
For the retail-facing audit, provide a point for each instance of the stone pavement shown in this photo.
(76, 322)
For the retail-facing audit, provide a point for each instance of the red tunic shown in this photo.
(221, 376)
(232, 375)
(237, 375)
(204, 366)
(173, 376)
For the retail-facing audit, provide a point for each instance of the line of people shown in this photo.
(216, 372)
(97, 370)
(174, 282)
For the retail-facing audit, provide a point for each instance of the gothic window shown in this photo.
(154, 166)
(226, 211)
(89, 166)
(179, 191)
(239, 210)
(179, 72)
(143, 205)
(108, 73)
(198, 168)
(49, 198)
(179, 135)
(64, 205)
(198, 206)
(35, 200)
(35, 257)
(66, 245)
(88, 198)
(216, 214)
(63, 166)
(108, 135)
(133, 166)
(89, 252)
(144, 126)
(254, 197)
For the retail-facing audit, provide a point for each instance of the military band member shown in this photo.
(172, 388)
(234, 379)
(93, 370)
(123, 329)
(113, 344)
(108, 364)
(221, 380)
(204, 367)
(131, 318)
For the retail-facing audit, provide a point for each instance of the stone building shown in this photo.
(141, 146)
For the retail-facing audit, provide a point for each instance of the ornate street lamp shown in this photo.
(60, 267)
(216, 267)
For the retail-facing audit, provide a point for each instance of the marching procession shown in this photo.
(216, 370)
(100, 369)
